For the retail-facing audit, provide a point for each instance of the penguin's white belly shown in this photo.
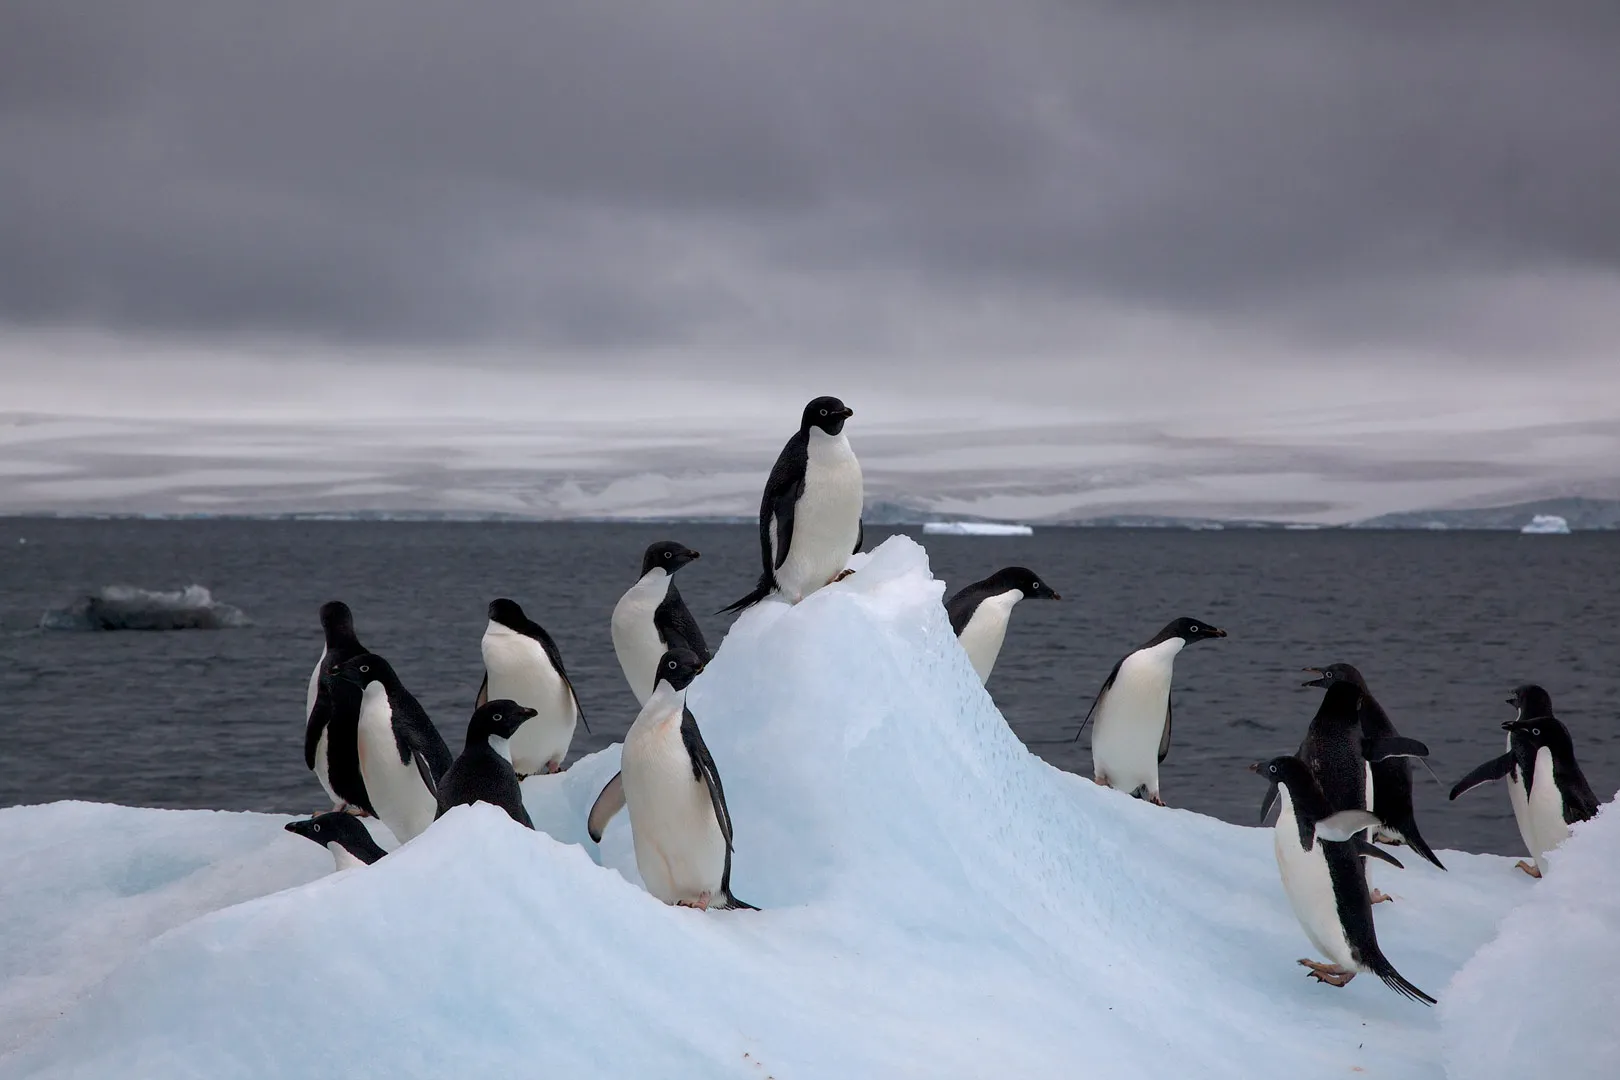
(395, 787)
(1130, 720)
(1309, 887)
(680, 850)
(826, 521)
(519, 668)
(635, 638)
(986, 630)
(323, 771)
(1545, 808)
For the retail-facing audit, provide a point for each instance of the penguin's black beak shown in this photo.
(690, 554)
(1217, 631)
(700, 669)
(1323, 681)
(1056, 596)
(847, 413)
(527, 713)
(1255, 768)
(1511, 701)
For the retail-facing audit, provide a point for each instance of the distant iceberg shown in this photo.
(976, 528)
(125, 607)
(1546, 525)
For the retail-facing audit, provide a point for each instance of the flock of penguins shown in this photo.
(376, 752)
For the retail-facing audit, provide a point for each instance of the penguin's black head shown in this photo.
(507, 613)
(1336, 673)
(679, 667)
(1191, 630)
(1287, 770)
(667, 554)
(1531, 700)
(337, 618)
(501, 717)
(333, 827)
(361, 670)
(1024, 580)
(1542, 731)
(826, 413)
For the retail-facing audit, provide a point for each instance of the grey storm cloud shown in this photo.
(595, 177)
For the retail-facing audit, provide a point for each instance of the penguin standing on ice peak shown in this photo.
(1542, 772)
(522, 663)
(1132, 711)
(651, 618)
(337, 624)
(679, 823)
(810, 514)
(393, 728)
(344, 835)
(483, 772)
(979, 613)
(1319, 856)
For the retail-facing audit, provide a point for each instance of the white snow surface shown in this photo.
(976, 528)
(938, 902)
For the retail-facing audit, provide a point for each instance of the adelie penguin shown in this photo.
(810, 514)
(521, 662)
(393, 729)
(483, 773)
(337, 623)
(1319, 855)
(679, 822)
(651, 618)
(1132, 711)
(1545, 783)
(979, 613)
(344, 835)
(1390, 795)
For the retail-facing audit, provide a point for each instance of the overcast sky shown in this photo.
(1232, 217)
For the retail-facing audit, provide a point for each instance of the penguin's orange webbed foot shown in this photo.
(1332, 974)
(841, 575)
(701, 903)
(1379, 896)
(1529, 867)
(1155, 800)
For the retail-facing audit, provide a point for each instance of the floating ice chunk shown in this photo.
(975, 528)
(1546, 525)
(125, 607)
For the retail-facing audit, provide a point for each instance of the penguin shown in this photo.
(1319, 855)
(679, 822)
(483, 772)
(344, 700)
(810, 515)
(349, 841)
(1391, 778)
(393, 727)
(979, 613)
(337, 623)
(1540, 767)
(522, 663)
(651, 618)
(1132, 735)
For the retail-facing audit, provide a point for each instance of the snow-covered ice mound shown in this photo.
(976, 528)
(125, 607)
(938, 903)
(1546, 525)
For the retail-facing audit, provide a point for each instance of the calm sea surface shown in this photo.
(1442, 624)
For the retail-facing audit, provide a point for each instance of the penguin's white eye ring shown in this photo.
(497, 716)
(314, 827)
(823, 412)
(669, 554)
(1273, 768)
(672, 665)
(1195, 628)
(365, 669)
(1535, 731)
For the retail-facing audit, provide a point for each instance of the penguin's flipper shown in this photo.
(425, 771)
(483, 693)
(608, 803)
(1268, 802)
(1381, 967)
(860, 539)
(1494, 769)
(1098, 700)
(315, 725)
(1164, 740)
(1373, 851)
(1388, 746)
(1345, 824)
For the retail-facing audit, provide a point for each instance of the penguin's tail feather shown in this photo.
(1409, 833)
(731, 903)
(1393, 979)
(767, 582)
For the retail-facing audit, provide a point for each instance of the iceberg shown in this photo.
(125, 607)
(975, 528)
(938, 902)
(1546, 525)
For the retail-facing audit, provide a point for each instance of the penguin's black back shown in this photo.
(343, 743)
(1332, 750)
(482, 775)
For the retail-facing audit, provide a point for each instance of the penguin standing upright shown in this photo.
(1319, 855)
(344, 700)
(979, 613)
(344, 835)
(337, 623)
(679, 822)
(483, 772)
(522, 663)
(1540, 764)
(810, 514)
(393, 729)
(651, 618)
(1132, 710)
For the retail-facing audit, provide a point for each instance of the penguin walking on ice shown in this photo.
(651, 618)
(393, 728)
(483, 772)
(337, 624)
(679, 823)
(810, 514)
(1548, 788)
(522, 663)
(1319, 855)
(979, 613)
(1132, 711)
(344, 835)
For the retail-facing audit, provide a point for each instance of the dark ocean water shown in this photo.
(1442, 624)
